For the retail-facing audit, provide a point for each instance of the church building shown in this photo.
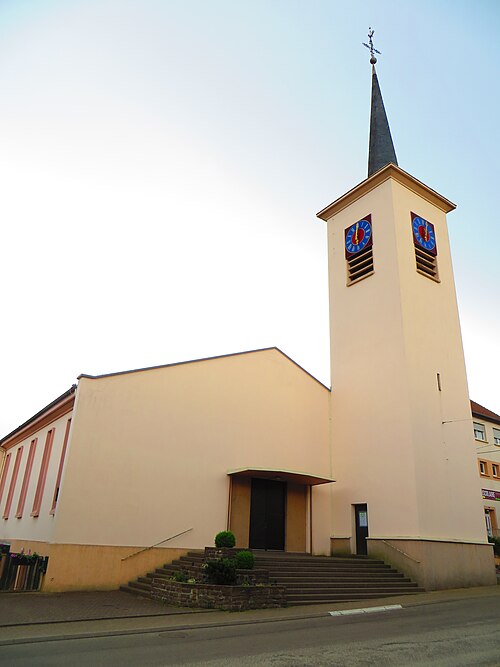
(126, 471)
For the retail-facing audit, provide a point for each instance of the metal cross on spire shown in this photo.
(370, 46)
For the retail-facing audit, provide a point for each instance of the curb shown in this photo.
(107, 618)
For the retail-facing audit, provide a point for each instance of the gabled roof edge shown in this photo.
(193, 361)
(48, 407)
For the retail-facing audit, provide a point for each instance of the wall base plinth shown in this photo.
(95, 567)
(437, 564)
(340, 546)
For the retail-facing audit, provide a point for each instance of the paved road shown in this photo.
(455, 633)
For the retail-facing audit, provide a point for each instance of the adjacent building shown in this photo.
(486, 426)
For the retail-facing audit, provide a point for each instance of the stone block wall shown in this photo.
(209, 596)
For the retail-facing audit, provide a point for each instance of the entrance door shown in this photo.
(489, 526)
(267, 514)
(361, 512)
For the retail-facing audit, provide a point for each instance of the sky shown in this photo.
(162, 162)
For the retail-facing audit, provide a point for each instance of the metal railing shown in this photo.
(140, 551)
(22, 572)
(401, 551)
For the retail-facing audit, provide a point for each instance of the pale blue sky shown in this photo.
(162, 163)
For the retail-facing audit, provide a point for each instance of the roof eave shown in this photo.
(389, 171)
(48, 409)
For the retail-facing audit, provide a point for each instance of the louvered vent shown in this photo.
(426, 264)
(360, 266)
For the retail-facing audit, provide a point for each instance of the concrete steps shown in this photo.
(307, 579)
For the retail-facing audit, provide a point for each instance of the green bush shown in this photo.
(225, 539)
(245, 560)
(181, 576)
(496, 544)
(221, 571)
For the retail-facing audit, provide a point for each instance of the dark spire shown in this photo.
(381, 150)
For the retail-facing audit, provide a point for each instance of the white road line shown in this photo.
(365, 610)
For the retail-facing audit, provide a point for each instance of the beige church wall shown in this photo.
(372, 440)
(445, 461)
(150, 450)
(27, 527)
(89, 567)
(438, 564)
(296, 518)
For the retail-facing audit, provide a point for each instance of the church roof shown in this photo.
(381, 151)
(389, 171)
(193, 361)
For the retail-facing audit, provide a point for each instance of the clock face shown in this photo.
(358, 236)
(423, 234)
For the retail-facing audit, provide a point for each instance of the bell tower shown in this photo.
(402, 443)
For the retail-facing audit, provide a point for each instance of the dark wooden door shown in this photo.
(267, 514)
(361, 529)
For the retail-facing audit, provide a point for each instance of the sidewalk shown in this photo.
(35, 608)
(105, 614)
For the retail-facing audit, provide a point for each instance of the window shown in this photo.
(496, 436)
(13, 481)
(26, 479)
(42, 476)
(61, 464)
(479, 432)
(494, 469)
(483, 467)
(4, 475)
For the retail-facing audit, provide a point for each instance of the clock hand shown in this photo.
(356, 234)
(426, 232)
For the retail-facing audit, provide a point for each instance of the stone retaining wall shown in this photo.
(209, 596)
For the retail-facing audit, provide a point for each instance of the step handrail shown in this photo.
(401, 551)
(156, 545)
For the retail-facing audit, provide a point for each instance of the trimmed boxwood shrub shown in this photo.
(225, 539)
(221, 571)
(245, 560)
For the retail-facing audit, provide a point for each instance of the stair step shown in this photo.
(311, 572)
(134, 591)
(352, 577)
(139, 586)
(307, 579)
(345, 597)
(350, 587)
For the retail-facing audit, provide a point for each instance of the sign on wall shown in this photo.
(491, 495)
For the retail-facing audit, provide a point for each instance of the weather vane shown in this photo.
(370, 46)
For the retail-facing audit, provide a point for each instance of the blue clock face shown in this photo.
(423, 233)
(358, 236)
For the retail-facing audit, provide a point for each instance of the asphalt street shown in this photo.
(464, 632)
